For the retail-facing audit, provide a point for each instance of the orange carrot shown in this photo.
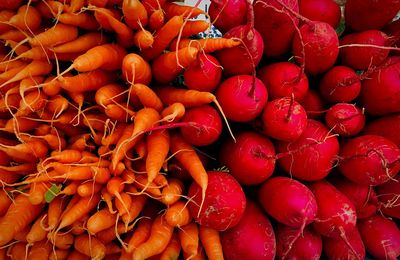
(37, 191)
(198, 256)
(75, 5)
(56, 206)
(207, 45)
(58, 34)
(61, 241)
(49, 9)
(194, 27)
(76, 255)
(71, 188)
(90, 246)
(173, 249)
(120, 113)
(37, 231)
(5, 202)
(58, 254)
(143, 39)
(35, 68)
(109, 94)
(4, 66)
(147, 96)
(173, 112)
(153, 5)
(135, 14)
(172, 192)
(156, 20)
(27, 18)
(81, 44)
(19, 215)
(135, 69)
(87, 81)
(211, 242)
(178, 215)
(140, 234)
(88, 189)
(40, 250)
(100, 220)
(83, 20)
(150, 188)
(18, 251)
(137, 204)
(189, 238)
(173, 9)
(157, 147)
(32, 102)
(5, 16)
(161, 234)
(124, 204)
(26, 152)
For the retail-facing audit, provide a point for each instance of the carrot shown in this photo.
(115, 186)
(98, 3)
(75, 254)
(120, 113)
(108, 235)
(189, 238)
(100, 220)
(13, 35)
(147, 96)
(174, 9)
(61, 241)
(87, 81)
(135, 69)
(140, 234)
(143, 39)
(10, 64)
(70, 189)
(156, 20)
(54, 211)
(3, 253)
(5, 16)
(26, 152)
(90, 246)
(109, 94)
(163, 37)
(211, 242)
(168, 66)
(135, 14)
(58, 254)
(173, 249)
(173, 112)
(150, 188)
(124, 204)
(81, 44)
(178, 215)
(153, 5)
(157, 147)
(5, 202)
(49, 9)
(82, 207)
(19, 215)
(79, 227)
(198, 256)
(37, 191)
(88, 189)
(75, 5)
(137, 204)
(27, 18)
(128, 176)
(58, 34)
(18, 251)
(207, 45)
(32, 102)
(194, 27)
(83, 20)
(160, 235)
(145, 118)
(172, 192)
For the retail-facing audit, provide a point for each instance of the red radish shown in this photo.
(242, 97)
(224, 202)
(369, 159)
(207, 125)
(327, 11)
(381, 237)
(251, 159)
(288, 201)
(312, 155)
(363, 57)
(244, 58)
(313, 104)
(307, 245)
(204, 74)
(336, 214)
(275, 26)
(389, 197)
(363, 197)
(361, 15)
(393, 31)
(321, 47)
(387, 126)
(345, 119)
(380, 91)
(228, 13)
(337, 248)
(284, 79)
(252, 238)
(284, 119)
(340, 84)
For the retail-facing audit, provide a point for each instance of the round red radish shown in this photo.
(312, 156)
(251, 159)
(284, 119)
(387, 126)
(389, 197)
(294, 243)
(381, 237)
(242, 97)
(345, 119)
(313, 104)
(327, 11)
(363, 197)
(283, 79)
(321, 47)
(276, 27)
(288, 201)
(361, 58)
(227, 14)
(369, 159)
(207, 125)
(337, 248)
(252, 238)
(340, 84)
(381, 90)
(224, 202)
(204, 74)
(336, 214)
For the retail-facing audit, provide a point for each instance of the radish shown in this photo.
(327, 11)
(381, 237)
(312, 155)
(340, 84)
(251, 159)
(284, 79)
(336, 214)
(224, 202)
(288, 201)
(393, 31)
(204, 74)
(242, 97)
(248, 54)
(389, 197)
(363, 57)
(276, 27)
(380, 91)
(284, 119)
(207, 125)
(252, 238)
(387, 126)
(369, 159)
(313, 104)
(227, 14)
(307, 245)
(337, 248)
(363, 197)
(361, 15)
(317, 48)
(345, 119)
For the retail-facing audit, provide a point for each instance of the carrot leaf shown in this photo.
(52, 192)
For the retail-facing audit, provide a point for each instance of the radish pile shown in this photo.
(124, 134)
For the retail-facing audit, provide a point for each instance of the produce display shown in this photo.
(131, 129)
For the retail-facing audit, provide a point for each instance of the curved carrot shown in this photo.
(100, 220)
(207, 45)
(109, 94)
(27, 18)
(123, 204)
(143, 39)
(83, 20)
(189, 237)
(173, 249)
(62, 241)
(172, 192)
(135, 14)
(211, 242)
(147, 97)
(156, 20)
(173, 9)
(37, 231)
(178, 215)
(5, 16)
(157, 151)
(87, 189)
(173, 112)
(135, 69)
(90, 246)
(194, 27)
(58, 34)
(82, 43)
(140, 234)
(54, 211)
(137, 204)
(87, 81)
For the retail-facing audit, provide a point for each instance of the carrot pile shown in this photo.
(87, 140)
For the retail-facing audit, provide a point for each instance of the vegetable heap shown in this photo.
(126, 135)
